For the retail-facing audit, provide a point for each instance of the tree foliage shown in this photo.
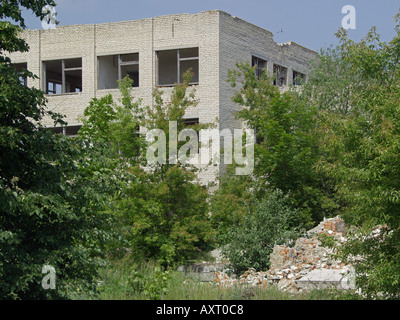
(359, 130)
(162, 209)
(273, 221)
(286, 152)
(52, 212)
(231, 203)
(332, 147)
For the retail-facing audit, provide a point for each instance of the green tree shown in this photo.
(165, 217)
(230, 203)
(360, 148)
(162, 209)
(286, 151)
(115, 125)
(51, 211)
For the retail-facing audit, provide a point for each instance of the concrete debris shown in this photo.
(204, 272)
(305, 266)
(250, 278)
(327, 278)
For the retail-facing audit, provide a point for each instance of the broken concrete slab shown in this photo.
(328, 278)
(204, 272)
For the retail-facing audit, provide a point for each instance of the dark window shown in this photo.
(191, 122)
(70, 131)
(62, 76)
(280, 74)
(298, 78)
(260, 64)
(20, 67)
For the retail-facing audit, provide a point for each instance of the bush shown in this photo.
(165, 218)
(272, 222)
(230, 204)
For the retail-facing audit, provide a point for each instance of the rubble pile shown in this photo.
(290, 265)
(250, 278)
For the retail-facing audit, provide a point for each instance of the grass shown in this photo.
(125, 280)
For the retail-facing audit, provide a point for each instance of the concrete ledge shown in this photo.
(327, 278)
(205, 272)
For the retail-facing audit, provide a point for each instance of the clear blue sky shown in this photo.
(311, 23)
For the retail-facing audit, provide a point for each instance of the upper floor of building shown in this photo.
(77, 63)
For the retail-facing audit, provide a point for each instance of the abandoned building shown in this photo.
(77, 63)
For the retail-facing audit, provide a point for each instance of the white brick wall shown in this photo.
(222, 40)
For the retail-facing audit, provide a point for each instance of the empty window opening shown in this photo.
(20, 67)
(62, 76)
(260, 64)
(116, 67)
(298, 78)
(280, 74)
(191, 122)
(172, 64)
(70, 131)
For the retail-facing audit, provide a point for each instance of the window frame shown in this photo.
(179, 60)
(258, 70)
(66, 130)
(276, 74)
(20, 67)
(63, 82)
(119, 64)
(301, 76)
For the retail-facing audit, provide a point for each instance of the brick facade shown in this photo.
(222, 41)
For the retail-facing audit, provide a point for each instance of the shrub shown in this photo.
(165, 218)
(272, 222)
